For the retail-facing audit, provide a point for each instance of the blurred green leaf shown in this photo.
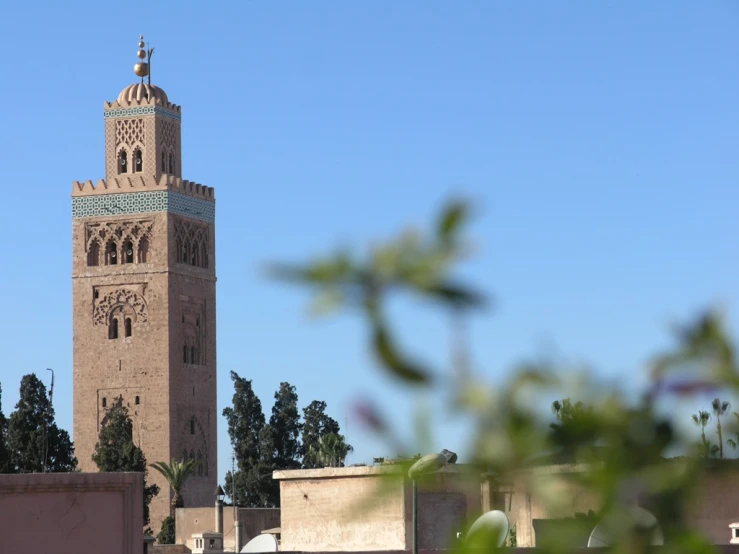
(393, 360)
(451, 219)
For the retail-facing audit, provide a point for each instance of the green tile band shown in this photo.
(144, 202)
(142, 110)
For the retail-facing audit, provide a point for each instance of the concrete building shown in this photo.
(143, 274)
(355, 509)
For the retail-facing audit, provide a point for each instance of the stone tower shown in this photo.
(143, 275)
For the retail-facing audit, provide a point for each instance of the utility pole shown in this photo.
(46, 419)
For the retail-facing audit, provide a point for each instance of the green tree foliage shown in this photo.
(331, 450)
(253, 444)
(316, 424)
(285, 425)
(32, 420)
(5, 466)
(176, 473)
(116, 451)
(167, 534)
(622, 443)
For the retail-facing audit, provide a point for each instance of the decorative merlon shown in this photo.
(134, 183)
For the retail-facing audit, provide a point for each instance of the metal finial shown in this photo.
(141, 68)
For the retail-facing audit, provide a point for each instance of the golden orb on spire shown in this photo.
(141, 69)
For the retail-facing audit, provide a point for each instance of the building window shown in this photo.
(93, 254)
(192, 429)
(111, 254)
(123, 162)
(184, 354)
(138, 161)
(137, 401)
(105, 402)
(193, 357)
(171, 163)
(113, 328)
(129, 252)
(127, 325)
(143, 250)
(164, 161)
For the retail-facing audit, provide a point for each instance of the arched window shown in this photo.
(129, 252)
(93, 253)
(203, 255)
(194, 251)
(105, 402)
(193, 357)
(123, 162)
(200, 463)
(137, 401)
(127, 327)
(192, 430)
(184, 354)
(171, 163)
(143, 250)
(185, 252)
(113, 328)
(138, 161)
(178, 249)
(111, 254)
(164, 162)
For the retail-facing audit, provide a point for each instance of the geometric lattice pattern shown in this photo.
(142, 110)
(144, 202)
(169, 136)
(130, 132)
(120, 297)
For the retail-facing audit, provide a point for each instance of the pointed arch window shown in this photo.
(138, 161)
(192, 430)
(194, 251)
(171, 163)
(164, 162)
(111, 254)
(203, 255)
(93, 253)
(143, 250)
(129, 252)
(113, 328)
(123, 162)
(127, 327)
(105, 402)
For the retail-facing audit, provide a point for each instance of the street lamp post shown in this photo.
(431, 463)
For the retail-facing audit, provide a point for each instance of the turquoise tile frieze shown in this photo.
(142, 110)
(144, 202)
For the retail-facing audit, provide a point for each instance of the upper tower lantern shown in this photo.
(142, 128)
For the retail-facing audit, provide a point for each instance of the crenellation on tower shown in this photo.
(144, 297)
(132, 183)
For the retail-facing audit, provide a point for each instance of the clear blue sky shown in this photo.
(598, 139)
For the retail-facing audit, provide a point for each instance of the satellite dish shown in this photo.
(261, 543)
(601, 536)
(491, 525)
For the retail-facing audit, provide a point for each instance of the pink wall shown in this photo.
(71, 513)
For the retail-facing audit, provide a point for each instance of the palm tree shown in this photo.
(701, 419)
(734, 443)
(176, 474)
(719, 409)
(331, 450)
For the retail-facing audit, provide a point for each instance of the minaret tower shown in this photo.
(143, 277)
